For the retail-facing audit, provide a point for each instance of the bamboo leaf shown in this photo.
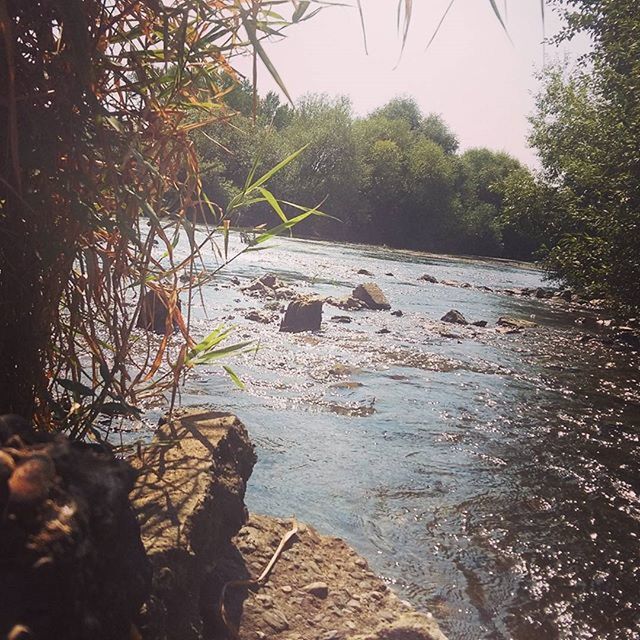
(281, 165)
(435, 33)
(300, 10)
(494, 6)
(275, 205)
(77, 388)
(362, 26)
(251, 32)
(234, 377)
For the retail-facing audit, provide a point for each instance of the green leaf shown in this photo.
(234, 377)
(284, 226)
(251, 32)
(275, 205)
(300, 10)
(281, 165)
(210, 356)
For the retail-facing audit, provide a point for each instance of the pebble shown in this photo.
(354, 604)
(286, 589)
(276, 620)
(318, 589)
(265, 601)
(361, 562)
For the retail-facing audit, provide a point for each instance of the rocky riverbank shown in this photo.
(189, 500)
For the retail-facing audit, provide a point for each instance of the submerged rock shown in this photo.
(303, 314)
(371, 294)
(515, 323)
(454, 316)
(260, 316)
(364, 272)
(154, 312)
(268, 286)
(348, 303)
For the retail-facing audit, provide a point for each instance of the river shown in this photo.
(492, 479)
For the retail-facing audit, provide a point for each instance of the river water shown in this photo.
(492, 479)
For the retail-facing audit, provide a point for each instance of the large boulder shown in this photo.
(371, 294)
(71, 561)
(303, 314)
(189, 498)
(154, 312)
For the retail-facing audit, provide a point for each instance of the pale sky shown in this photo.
(480, 83)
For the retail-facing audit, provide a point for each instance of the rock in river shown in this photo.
(515, 323)
(454, 316)
(428, 278)
(371, 294)
(303, 314)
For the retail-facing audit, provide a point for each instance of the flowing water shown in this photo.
(492, 479)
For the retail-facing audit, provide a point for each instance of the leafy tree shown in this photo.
(404, 109)
(327, 171)
(587, 131)
(430, 181)
(480, 200)
(434, 128)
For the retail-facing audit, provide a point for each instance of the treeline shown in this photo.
(395, 177)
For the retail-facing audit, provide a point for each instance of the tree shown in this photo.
(404, 109)
(479, 203)
(434, 128)
(587, 131)
(327, 172)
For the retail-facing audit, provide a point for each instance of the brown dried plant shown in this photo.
(97, 101)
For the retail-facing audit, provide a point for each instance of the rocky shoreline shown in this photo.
(189, 498)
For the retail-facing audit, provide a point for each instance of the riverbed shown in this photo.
(491, 478)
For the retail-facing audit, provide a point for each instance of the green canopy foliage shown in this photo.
(393, 177)
(586, 200)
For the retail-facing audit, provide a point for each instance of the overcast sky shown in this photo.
(480, 83)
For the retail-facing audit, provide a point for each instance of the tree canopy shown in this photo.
(394, 177)
(586, 128)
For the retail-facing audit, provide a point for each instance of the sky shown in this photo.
(479, 81)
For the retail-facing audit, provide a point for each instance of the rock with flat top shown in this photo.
(515, 323)
(303, 314)
(371, 294)
(189, 498)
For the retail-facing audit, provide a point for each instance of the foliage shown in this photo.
(393, 178)
(98, 100)
(587, 131)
